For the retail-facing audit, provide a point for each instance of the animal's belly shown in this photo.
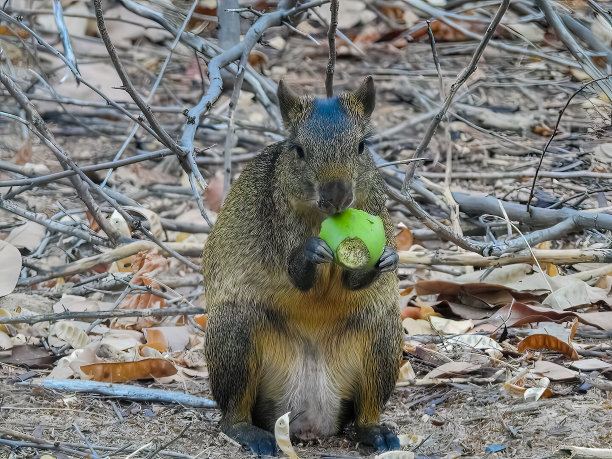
(313, 398)
(308, 378)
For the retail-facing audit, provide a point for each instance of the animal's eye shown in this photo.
(361, 147)
(300, 151)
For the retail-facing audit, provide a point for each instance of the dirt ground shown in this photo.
(457, 420)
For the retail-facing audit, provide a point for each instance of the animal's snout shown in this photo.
(335, 196)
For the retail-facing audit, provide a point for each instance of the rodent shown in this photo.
(288, 329)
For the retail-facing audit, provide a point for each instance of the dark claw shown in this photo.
(317, 251)
(380, 437)
(388, 261)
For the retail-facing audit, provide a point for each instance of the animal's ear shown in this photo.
(366, 95)
(289, 104)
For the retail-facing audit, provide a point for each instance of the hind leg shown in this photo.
(234, 372)
(381, 358)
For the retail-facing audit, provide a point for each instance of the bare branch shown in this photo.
(331, 38)
(461, 79)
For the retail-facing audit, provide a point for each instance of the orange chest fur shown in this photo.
(327, 304)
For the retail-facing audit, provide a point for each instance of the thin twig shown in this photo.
(79, 181)
(461, 79)
(331, 38)
(554, 133)
(572, 45)
(84, 315)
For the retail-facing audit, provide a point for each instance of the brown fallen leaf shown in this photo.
(479, 295)
(404, 239)
(553, 371)
(453, 369)
(201, 320)
(523, 314)
(129, 371)
(30, 356)
(541, 341)
(21, 33)
(155, 340)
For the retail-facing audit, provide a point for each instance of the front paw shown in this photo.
(317, 251)
(388, 261)
(380, 437)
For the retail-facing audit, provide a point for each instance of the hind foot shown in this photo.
(260, 441)
(380, 437)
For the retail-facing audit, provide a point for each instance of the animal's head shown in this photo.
(327, 162)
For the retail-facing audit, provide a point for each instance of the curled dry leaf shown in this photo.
(129, 371)
(452, 327)
(418, 312)
(541, 341)
(145, 266)
(281, 433)
(155, 340)
(406, 372)
(118, 223)
(21, 33)
(5, 313)
(73, 335)
(9, 268)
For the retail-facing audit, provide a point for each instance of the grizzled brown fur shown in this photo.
(327, 348)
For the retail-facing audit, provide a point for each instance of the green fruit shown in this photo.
(356, 238)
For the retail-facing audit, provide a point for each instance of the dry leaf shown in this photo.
(176, 338)
(10, 268)
(153, 218)
(591, 365)
(6, 342)
(453, 369)
(404, 239)
(553, 371)
(30, 356)
(129, 371)
(489, 345)
(281, 433)
(452, 327)
(74, 303)
(201, 320)
(28, 236)
(550, 342)
(417, 327)
(413, 312)
(406, 372)
(16, 31)
(66, 331)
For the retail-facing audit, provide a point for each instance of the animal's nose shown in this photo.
(335, 196)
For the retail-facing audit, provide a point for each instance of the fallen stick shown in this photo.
(123, 251)
(140, 394)
(536, 216)
(54, 317)
(439, 381)
(559, 257)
